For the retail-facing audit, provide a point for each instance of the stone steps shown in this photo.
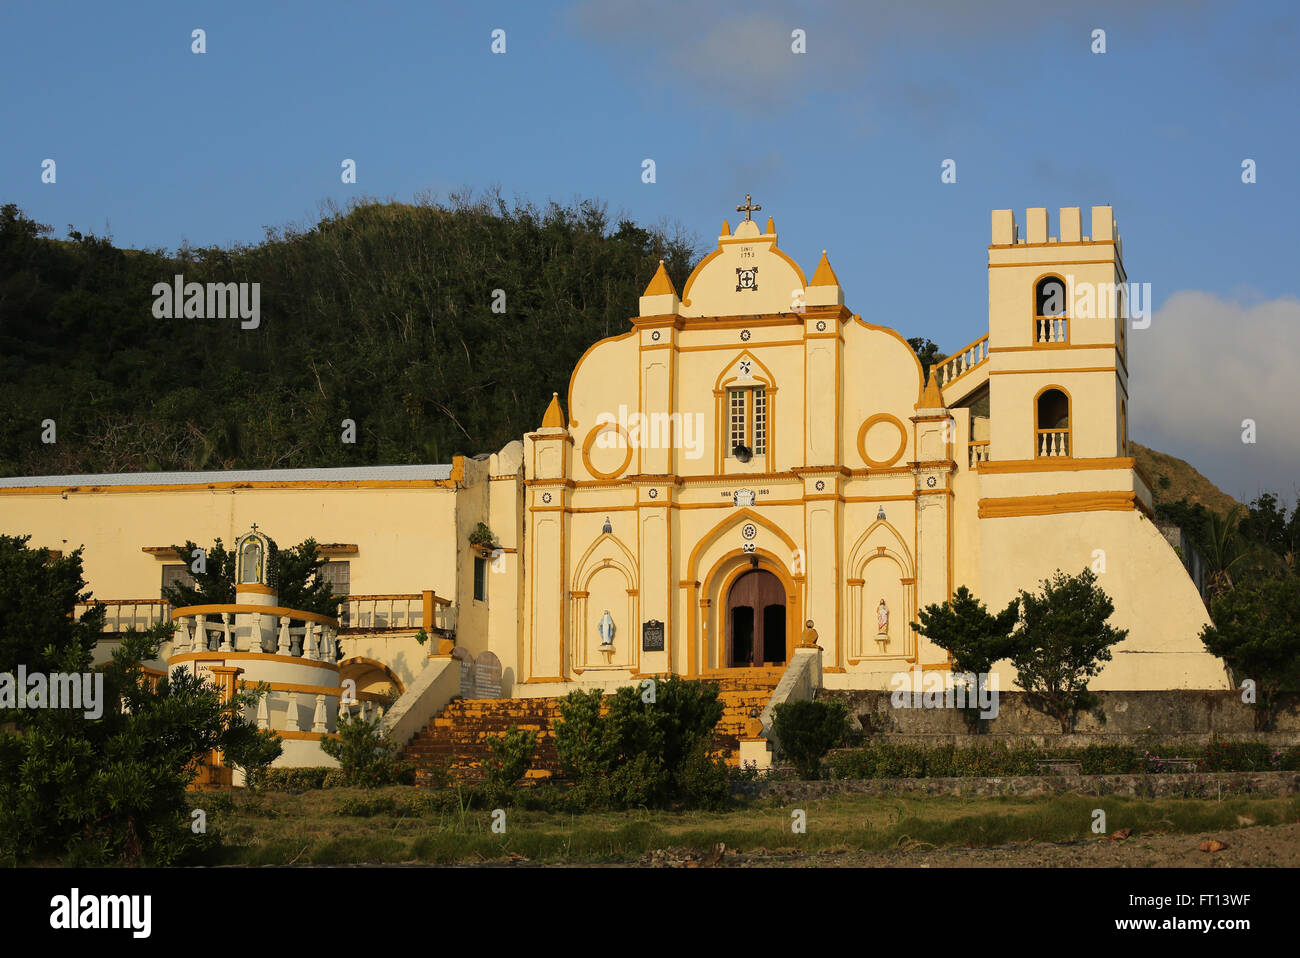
(457, 738)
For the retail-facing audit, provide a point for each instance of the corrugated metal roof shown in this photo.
(341, 474)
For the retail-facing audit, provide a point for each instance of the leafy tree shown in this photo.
(927, 352)
(37, 595)
(807, 730)
(1256, 631)
(111, 788)
(1225, 551)
(1063, 640)
(971, 636)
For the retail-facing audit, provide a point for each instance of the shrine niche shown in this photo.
(882, 596)
(605, 608)
(255, 554)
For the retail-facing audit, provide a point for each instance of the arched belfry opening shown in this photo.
(1052, 432)
(756, 620)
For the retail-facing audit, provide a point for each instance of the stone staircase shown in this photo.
(741, 690)
(457, 738)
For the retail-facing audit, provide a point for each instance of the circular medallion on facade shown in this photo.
(744, 335)
(655, 335)
(821, 325)
(749, 530)
(546, 497)
(820, 485)
(931, 481)
(654, 493)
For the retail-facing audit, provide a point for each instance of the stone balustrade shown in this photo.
(255, 629)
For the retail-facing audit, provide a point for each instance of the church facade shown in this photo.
(749, 463)
(752, 458)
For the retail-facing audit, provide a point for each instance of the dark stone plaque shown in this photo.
(652, 636)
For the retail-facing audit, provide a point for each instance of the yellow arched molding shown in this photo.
(920, 373)
(573, 377)
(859, 556)
(750, 240)
(371, 665)
(727, 367)
(582, 574)
(1069, 416)
(732, 566)
(737, 518)
(591, 438)
(858, 610)
(1033, 308)
(862, 440)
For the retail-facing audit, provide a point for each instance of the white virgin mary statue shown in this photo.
(606, 629)
(882, 618)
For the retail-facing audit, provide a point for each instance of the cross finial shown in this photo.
(749, 207)
(254, 526)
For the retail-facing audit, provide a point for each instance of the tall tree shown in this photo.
(974, 638)
(1256, 631)
(1063, 640)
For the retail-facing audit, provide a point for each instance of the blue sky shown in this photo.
(841, 145)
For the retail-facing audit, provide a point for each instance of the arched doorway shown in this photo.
(755, 620)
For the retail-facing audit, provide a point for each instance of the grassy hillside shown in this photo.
(437, 329)
(1184, 482)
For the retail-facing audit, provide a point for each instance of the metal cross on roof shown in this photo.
(254, 526)
(749, 207)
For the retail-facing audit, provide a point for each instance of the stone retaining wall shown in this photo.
(1196, 785)
(1164, 714)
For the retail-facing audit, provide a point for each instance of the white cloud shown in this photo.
(1205, 365)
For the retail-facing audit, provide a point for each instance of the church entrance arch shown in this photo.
(755, 620)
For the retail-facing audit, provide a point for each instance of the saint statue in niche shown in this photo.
(606, 630)
(882, 618)
(252, 562)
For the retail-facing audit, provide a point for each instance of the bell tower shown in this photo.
(1058, 349)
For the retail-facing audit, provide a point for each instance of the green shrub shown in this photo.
(1237, 757)
(512, 753)
(807, 730)
(367, 757)
(638, 747)
(706, 780)
(1113, 760)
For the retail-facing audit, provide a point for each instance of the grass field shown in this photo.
(402, 825)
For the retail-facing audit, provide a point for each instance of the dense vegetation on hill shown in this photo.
(382, 314)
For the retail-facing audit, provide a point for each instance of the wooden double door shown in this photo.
(756, 620)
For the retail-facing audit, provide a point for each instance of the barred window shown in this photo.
(338, 575)
(176, 575)
(736, 419)
(760, 421)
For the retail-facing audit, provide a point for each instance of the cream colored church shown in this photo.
(750, 456)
